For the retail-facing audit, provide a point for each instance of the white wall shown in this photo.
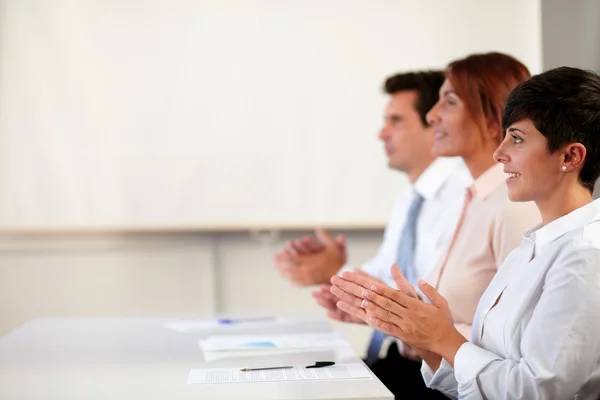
(162, 113)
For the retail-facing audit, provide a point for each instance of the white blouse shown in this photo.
(542, 338)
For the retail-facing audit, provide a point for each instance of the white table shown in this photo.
(138, 358)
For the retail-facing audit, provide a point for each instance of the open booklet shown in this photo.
(273, 342)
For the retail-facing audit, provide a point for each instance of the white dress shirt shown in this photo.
(442, 185)
(536, 332)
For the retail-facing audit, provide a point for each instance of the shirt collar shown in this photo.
(433, 178)
(489, 181)
(573, 220)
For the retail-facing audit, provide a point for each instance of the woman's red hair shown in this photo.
(483, 82)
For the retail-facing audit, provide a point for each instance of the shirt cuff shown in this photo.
(427, 373)
(434, 378)
(442, 379)
(469, 360)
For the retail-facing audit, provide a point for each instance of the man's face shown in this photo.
(407, 141)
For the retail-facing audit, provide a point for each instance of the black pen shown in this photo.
(318, 364)
(262, 369)
(321, 364)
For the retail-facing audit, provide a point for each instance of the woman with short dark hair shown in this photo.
(536, 332)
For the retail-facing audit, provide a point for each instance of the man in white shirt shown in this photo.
(423, 220)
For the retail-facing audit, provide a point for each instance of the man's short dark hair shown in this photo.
(426, 83)
(564, 105)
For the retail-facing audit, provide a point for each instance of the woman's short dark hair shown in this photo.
(564, 105)
(427, 84)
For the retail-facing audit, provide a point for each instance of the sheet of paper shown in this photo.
(297, 373)
(199, 325)
(273, 342)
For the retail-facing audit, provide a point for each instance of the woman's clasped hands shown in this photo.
(426, 326)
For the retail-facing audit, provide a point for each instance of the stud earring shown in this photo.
(564, 168)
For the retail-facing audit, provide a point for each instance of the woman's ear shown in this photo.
(573, 157)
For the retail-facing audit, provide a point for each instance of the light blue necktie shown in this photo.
(405, 260)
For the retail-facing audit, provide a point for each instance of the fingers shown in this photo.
(309, 244)
(325, 298)
(343, 316)
(340, 240)
(342, 285)
(289, 248)
(355, 312)
(324, 237)
(432, 294)
(360, 279)
(402, 282)
(284, 264)
(288, 271)
(305, 245)
(328, 300)
(383, 295)
(299, 247)
(383, 326)
(346, 297)
(283, 256)
(328, 304)
(324, 288)
(312, 243)
(294, 274)
(383, 308)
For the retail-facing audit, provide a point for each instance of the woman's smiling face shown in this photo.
(533, 171)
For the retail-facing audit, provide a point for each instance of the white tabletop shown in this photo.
(138, 358)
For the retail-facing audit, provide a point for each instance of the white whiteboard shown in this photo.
(145, 113)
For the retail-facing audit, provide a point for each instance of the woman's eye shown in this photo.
(516, 139)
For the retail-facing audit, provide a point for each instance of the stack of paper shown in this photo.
(224, 343)
(297, 373)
